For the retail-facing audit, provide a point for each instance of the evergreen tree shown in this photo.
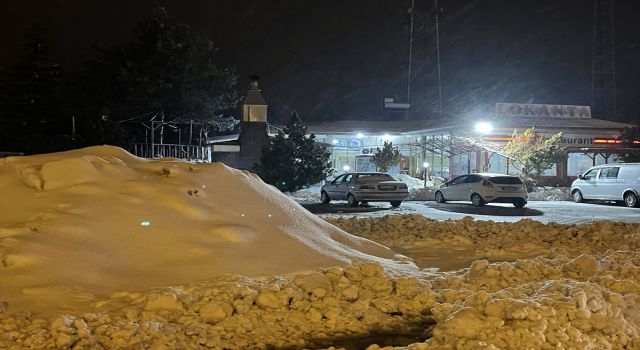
(294, 160)
(32, 112)
(631, 140)
(386, 157)
(535, 154)
(167, 68)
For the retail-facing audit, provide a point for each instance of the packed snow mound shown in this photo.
(590, 302)
(549, 193)
(493, 240)
(90, 221)
(413, 182)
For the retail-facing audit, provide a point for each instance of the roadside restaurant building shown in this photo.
(448, 148)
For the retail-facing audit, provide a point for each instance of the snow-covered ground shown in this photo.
(102, 250)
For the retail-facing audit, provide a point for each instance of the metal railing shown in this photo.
(187, 152)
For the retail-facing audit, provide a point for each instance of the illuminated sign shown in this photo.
(568, 140)
(607, 141)
(542, 111)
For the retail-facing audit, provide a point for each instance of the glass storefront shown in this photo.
(578, 163)
(354, 153)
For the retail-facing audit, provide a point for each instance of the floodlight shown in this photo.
(484, 127)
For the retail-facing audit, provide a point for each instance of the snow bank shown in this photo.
(549, 193)
(494, 240)
(78, 224)
(589, 302)
(157, 253)
(314, 309)
(580, 291)
(414, 183)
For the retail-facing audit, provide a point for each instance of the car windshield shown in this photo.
(506, 180)
(375, 177)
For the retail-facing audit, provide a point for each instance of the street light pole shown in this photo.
(425, 165)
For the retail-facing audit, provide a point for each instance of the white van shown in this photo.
(609, 182)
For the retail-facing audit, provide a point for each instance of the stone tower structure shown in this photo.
(253, 126)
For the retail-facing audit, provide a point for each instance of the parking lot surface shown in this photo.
(543, 211)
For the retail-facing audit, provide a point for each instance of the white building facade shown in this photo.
(455, 147)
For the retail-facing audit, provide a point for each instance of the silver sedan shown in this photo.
(365, 187)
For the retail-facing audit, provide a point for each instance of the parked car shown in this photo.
(365, 187)
(612, 182)
(481, 188)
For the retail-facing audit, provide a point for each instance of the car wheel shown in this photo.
(630, 199)
(577, 196)
(477, 200)
(519, 203)
(352, 200)
(395, 204)
(440, 197)
(324, 197)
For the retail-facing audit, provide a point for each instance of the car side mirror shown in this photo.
(580, 176)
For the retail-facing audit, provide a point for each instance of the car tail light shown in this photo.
(403, 187)
(486, 183)
(367, 187)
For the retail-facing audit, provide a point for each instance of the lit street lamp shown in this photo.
(484, 128)
(425, 165)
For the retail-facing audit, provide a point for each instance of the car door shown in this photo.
(332, 188)
(606, 184)
(454, 188)
(343, 187)
(469, 186)
(588, 185)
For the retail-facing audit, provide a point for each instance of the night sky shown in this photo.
(332, 59)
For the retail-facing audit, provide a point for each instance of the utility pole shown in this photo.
(438, 59)
(411, 14)
(603, 78)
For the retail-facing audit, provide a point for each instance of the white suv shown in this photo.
(484, 188)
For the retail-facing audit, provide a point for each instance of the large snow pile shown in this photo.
(78, 224)
(164, 258)
(554, 302)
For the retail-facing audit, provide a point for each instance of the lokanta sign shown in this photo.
(540, 110)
